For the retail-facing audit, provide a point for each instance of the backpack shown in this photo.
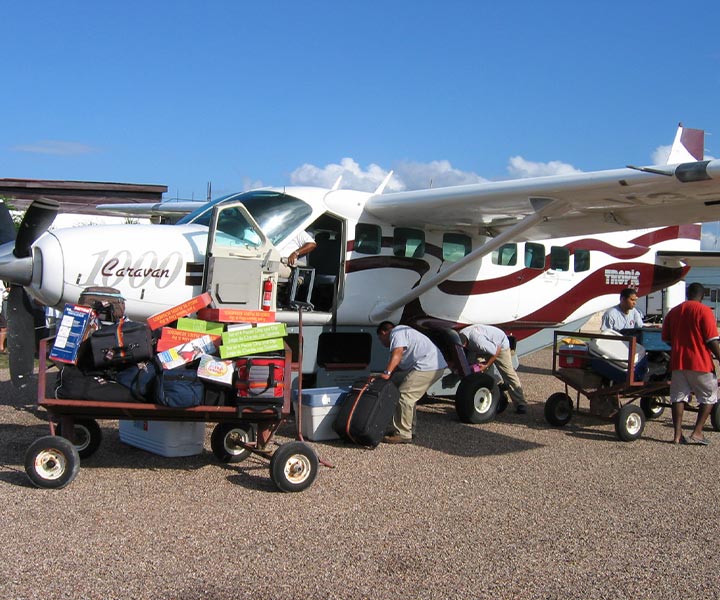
(107, 302)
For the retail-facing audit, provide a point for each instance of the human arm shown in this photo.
(306, 248)
(486, 365)
(395, 358)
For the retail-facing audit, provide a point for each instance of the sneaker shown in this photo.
(396, 439)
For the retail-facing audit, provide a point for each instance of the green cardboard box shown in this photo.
(187, 324)
(253, 334)
(254, 347)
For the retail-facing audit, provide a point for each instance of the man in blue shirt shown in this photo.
(624, 315)
(415, 364)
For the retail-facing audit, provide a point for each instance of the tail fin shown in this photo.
(689, 146)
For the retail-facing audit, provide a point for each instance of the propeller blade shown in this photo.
(7, 226)
(38, 217)
(21, 336)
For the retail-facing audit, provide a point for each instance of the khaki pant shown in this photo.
(504, 365)
(412, 386)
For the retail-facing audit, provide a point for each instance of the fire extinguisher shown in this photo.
(267, 294)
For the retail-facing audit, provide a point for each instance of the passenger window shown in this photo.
(505, 255)
(534, 256)
(455, 246)
(559, 258)
(581, 260)
(368, 239)
(409, 242)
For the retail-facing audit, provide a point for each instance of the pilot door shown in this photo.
(241, 263)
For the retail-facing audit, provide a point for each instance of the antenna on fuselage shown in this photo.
(336, 185)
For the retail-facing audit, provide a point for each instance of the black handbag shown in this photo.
(121, 344)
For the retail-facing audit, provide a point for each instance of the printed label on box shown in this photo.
(73, 329)
(181, 310)
(246, 348)
(171, 337)
(215, 369)
(185, 353)
(254, 333)
(236, 315)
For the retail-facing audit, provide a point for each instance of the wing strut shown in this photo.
(544, 208)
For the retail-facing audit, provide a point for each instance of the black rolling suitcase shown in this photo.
(366, 411)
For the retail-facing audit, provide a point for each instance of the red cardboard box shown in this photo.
(181, 310)
(169, 338)
(236, 315)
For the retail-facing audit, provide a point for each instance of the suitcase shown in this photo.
(107, 302)
(121, 344)
(366, 411)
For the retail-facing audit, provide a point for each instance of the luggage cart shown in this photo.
(612, 398)
(53, 461)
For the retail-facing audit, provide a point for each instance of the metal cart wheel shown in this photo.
(477, 398)
(227, 439)
(629, 423)
(52, 462)
(293, 467)
(87, 435)
(558, 409)
(715, 417)
(650, 407)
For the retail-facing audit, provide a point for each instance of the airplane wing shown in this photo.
(580, 204)
(693, 259)
(168, 209)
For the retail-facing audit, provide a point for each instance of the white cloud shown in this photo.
(661, 155)
(519, 168)
(56, 147)
(354, 177)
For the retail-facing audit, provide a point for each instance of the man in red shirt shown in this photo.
(691, 330)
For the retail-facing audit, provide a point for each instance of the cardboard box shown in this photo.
(573, 356)
(252, 334)
(166, 438)
(186, 324)
(170, 337)
(74, 327)
(319, 408)
(215, 369)
(187, 352)
(236, 315)
(181, 310)
(248, 348)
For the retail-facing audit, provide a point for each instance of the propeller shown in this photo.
(17, 270)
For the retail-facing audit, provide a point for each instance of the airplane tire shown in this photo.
(87, 434)
(558, 409)
(294, 467)
(651, 408)
(52, 462)
(477, 399)
(629, 423)
(227, 438)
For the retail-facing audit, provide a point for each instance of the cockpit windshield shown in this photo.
(277, 214)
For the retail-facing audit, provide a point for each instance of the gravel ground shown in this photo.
(510, 509)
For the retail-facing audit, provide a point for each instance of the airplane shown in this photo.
(529, 256)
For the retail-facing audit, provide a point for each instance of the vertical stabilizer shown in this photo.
(689, 146)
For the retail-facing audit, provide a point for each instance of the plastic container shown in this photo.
(166, 438)
(319, 410)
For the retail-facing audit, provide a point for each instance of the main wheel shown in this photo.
(629, 423)
(558, 409)
(477, 398)
(52, 462)
(715, 416)
(650, 407)
(293, 467)
(227, 439)
(87, 434)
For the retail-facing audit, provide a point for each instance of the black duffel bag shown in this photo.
(121, 344)
(73, 384)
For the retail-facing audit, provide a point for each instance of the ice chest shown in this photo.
(319, 407)
(609, 358)
(166, 438)
(573, 356)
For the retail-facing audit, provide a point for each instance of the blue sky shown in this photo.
(242, 93)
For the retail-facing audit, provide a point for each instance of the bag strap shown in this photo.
(270, 380)
(352, 410)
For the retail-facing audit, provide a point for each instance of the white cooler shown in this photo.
(166, 438)
(319, 410)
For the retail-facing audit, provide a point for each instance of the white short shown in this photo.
(703, 385)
